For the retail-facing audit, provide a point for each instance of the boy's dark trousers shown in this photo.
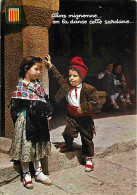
(83, 125)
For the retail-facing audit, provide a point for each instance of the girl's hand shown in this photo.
(79, 110)
(48, 60)
(49, 118)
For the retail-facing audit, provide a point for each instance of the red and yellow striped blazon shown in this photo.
(13, 14)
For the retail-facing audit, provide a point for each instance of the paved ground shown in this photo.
(113, 175)
(111, 128)
(115, 162)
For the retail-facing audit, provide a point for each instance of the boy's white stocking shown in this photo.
(25, 169)
(116, 95)
(112, 99)
(38, 171)
(128, 97)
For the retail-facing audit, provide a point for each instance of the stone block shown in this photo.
(102, 98)
(5, 145)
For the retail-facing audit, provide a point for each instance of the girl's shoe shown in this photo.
(115, 106)
(40, 177)
(129, 102)
(89, 164)
(27, 181)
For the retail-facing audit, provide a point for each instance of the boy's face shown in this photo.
(34, 71)
(74, 78)
(110, 67)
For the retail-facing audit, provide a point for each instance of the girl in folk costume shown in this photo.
(121, 85)
(30, 111)
(82, 100)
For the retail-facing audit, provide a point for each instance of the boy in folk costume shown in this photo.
(108, 84)
(82, 100)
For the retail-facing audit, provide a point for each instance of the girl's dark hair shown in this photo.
(26, 63)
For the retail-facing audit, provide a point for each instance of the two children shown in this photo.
(114, 83)
(82, 100)
(30, 111)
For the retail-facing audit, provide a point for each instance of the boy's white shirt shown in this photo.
(71, 96)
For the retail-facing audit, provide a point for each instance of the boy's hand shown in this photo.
(48, 60)
(79, 110)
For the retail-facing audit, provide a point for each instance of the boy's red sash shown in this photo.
(73, 111)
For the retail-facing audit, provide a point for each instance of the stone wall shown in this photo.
(28, 38)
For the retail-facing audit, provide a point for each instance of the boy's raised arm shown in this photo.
(48, 61)
(56, 73)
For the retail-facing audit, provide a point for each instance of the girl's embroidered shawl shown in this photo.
(31, 91)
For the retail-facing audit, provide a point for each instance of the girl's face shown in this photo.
(119, 69)
(33, 72)
(74, 78)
